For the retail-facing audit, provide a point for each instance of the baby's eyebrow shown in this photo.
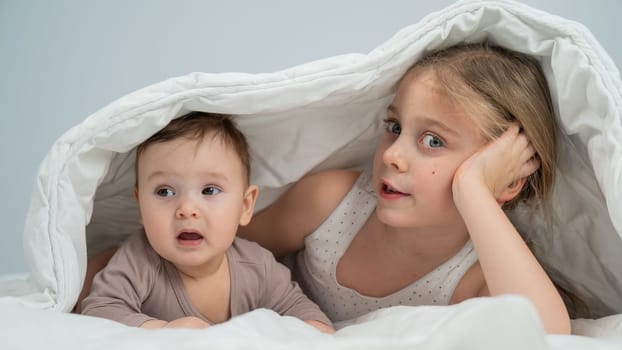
(214, 175)
(156, 173)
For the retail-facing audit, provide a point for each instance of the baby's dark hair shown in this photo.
(195, 126)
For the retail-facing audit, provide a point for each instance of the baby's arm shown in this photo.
(94, 265)
(480, 185)
(119, 288)
(283, 226)
(118, 291)
(281, 294)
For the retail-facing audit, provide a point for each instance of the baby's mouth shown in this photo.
(189, 238)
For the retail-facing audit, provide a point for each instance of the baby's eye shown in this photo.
(165, 192)
(393, 127)
(210, 191)
(432, 141)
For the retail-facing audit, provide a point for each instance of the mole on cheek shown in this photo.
(433, 172)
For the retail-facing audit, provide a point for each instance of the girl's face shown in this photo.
(426, 139)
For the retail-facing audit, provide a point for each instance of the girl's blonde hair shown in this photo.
(496, 87)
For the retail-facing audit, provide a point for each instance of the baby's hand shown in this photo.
(184, 322)
(498, 164)
(321, 326)
(187, 322)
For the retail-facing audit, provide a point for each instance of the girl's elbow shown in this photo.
(562, 325)
(563, 328)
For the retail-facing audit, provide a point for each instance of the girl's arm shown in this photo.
(486, 180)
(283, 226)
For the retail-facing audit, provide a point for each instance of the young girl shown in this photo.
(470, 132)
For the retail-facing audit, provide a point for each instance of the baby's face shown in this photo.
(191, 196)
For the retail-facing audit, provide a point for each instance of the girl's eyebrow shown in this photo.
(435, 122)
(429, 121)
(392, 109)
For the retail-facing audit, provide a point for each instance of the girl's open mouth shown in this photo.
(388, 189)
(389, 192)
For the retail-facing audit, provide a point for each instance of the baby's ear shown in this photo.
(511, 191)
(248, 204)
(140, 217)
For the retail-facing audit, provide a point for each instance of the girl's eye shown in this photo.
(210, 191)
(432, 141)
(393, 127)
(165, 192)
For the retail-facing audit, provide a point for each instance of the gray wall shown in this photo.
(63, 60)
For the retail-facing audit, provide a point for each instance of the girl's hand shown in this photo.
(498, 166)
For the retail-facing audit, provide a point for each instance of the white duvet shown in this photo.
(326, 114)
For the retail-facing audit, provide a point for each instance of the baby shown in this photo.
(188, 268)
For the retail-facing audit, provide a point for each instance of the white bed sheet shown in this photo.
(508, 323)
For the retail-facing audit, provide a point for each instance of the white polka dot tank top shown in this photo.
(315, 266)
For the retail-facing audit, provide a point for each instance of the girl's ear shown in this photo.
(136, 193)
(248, 204)
(512, 190)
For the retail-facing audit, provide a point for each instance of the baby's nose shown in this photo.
(187, 209)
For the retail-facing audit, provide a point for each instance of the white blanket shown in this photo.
(326, 114)
(507, 323)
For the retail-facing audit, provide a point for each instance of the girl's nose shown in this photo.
(394, 157)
